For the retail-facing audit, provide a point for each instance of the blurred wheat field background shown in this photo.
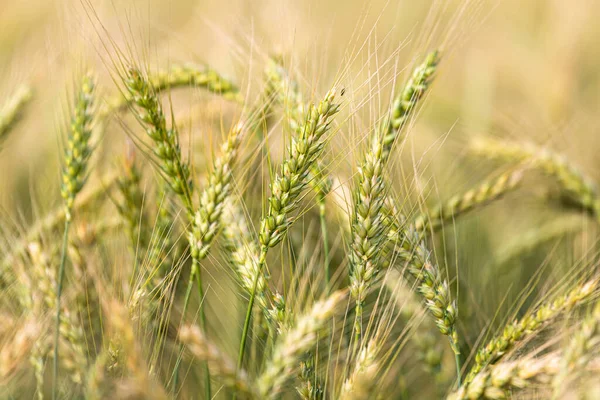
(299, 199)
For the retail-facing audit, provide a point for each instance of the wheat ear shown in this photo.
(295, 342)
(494, 382)
(73, 178)
(11, 111)
(457, 205)
(287, 186)
(518, 331)
(288, 93)
(573, 182)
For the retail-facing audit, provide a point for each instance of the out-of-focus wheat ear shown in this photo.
(131, 205)
(12, 110)
(166, 140)
(15, 351)
(307, 330)
(75, 360)
(74, 176)
(495, 381)
(128, 356)
(518, 331)
(403, 106)
(368, 230)
(475, 198)
(435, 289)
(580, 350)
(288, 185)
(578, 187)
(424, 336)
(362, 379)
(288, 94)
(220, 365)
(38, 362)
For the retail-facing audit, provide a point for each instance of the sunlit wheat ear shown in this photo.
(404, 105)
(582, 347)
(495, 381)
(362, 380)
(165, 140)
(573, 182)
(289, 95)
(486, 193)
(15, 350)
(518, 331)
(207, 219)
(288, 185)
(290, 182)
(220, 365)
(12, 110)
(369, 230)
(307, 330)
(79, 147)
(74, 176)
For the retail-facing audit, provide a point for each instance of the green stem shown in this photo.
(261, 263)
(325, 245)
(59, 285)
(195, 275)
(458, 368)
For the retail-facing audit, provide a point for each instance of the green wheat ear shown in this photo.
(12, 110)
(74, 175)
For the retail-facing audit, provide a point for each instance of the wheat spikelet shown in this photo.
(520, 330)
(458, 205)
(294, 343)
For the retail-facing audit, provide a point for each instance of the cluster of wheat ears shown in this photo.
(350, 310)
